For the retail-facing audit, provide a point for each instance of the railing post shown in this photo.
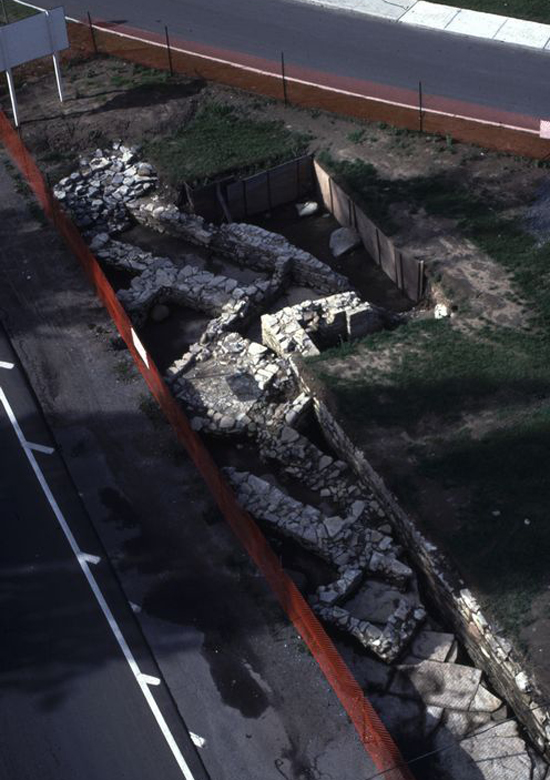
(285, 96)
(168, 49)
(92, 33)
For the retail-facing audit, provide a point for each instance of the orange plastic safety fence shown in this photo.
(374, 736)
(490, 128)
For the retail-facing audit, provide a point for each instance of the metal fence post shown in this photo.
(285, 96)
(92, 33)
(169, 50)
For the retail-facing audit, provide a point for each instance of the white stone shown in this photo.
(344, 240)
(307, 209)
(441, 311)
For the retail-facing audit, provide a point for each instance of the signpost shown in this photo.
(41, 35)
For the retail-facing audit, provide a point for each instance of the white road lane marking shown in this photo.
(148, 679)
(7, 366)
(143, 680)
(39, 448)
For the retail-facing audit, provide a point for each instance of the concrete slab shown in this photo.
(518, 31)
(426, 14)
(384, 8)
(476, 24)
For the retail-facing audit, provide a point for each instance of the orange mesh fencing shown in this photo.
(469, 123)
(372, 733)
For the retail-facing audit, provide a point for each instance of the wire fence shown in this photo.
(412, 109)
(372, 733)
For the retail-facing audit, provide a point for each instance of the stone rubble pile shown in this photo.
(331, 320)
(351, 548)
(225, 384)
(98, 193)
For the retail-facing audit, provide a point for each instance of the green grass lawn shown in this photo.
(535, 10)
(436, 379)
(220, 140)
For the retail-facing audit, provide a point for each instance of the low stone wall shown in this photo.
(490, 651)
(258, 248)
(339, 317)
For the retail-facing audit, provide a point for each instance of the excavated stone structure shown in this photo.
(236, 387)
(340, 317)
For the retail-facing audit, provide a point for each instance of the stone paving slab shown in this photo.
(476, 23)
(440, 685)
(524, 33)
(430, 15)
(431, 646)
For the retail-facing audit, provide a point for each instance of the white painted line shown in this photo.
(7, 366)
(336, 90)
(140, 348)
(199, 742)
(148, 679)
(88, 558)
(39, 448)
(143, 680)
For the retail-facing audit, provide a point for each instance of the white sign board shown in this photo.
(41, 35)
(37, 36)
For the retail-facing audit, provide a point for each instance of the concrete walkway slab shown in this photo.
(430, 15)
(387, 9)
(449, 18)
(476, 24)
(524, 33)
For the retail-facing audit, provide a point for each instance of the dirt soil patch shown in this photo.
(454, 413)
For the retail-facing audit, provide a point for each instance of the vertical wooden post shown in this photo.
(92, 33)
(285, 96)
(169, 50)
(420, 108)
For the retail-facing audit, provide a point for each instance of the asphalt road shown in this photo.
(71, 706)
(486, 73)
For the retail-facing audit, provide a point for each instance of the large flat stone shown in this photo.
(431, 646)
(451, 686)
(376, 602)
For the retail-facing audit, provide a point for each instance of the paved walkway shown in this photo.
(450, 19)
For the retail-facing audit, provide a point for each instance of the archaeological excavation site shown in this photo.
(231, 309)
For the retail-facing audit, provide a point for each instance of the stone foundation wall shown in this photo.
(489, 650)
